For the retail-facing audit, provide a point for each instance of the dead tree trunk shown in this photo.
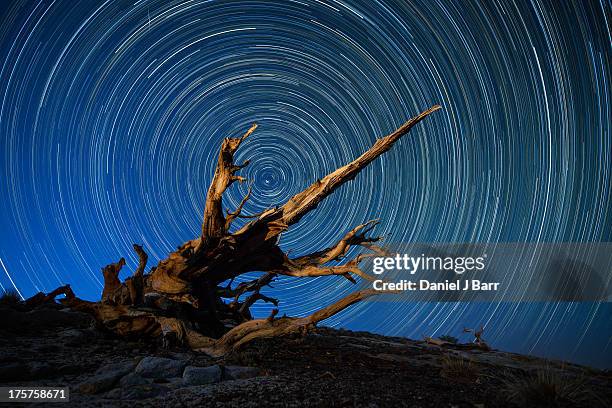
(182, 298)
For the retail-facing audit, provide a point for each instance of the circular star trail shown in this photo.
(112, 114)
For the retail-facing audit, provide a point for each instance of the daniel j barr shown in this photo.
(423, 284)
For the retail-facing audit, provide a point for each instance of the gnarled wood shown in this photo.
(271, 327)
(41, 298)
(181, 298)
(112, 284)
(231, 216)
(261, 234)
(135, 283)
(213, 224)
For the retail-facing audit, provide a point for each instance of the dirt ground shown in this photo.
(50, 346)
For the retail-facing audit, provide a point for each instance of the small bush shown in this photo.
(449, 338)
(459, 369)
(10, 297)
(546, 388)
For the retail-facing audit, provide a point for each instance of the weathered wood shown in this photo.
(112, 284)
(214, 223)
(42, 298)
(135, 283)
(181, 298)
(271, 327)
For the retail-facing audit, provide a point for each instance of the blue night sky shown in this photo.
(112, 113)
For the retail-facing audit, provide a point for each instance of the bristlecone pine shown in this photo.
(183, 299)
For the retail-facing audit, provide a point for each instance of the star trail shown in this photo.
(112, 114)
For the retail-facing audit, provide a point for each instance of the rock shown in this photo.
(201, 375)
(159, 367)
(139, 392)
(106, 377)
(240, 372)
(134, 379)
(121, 368)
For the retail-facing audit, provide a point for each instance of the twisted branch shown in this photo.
(213, 224)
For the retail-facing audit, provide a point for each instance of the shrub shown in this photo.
(449, 338)
(547, 387)
(10, 297)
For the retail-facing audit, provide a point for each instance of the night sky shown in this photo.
(112, 113)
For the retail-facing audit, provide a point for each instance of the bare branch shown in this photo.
(135, 284)
(290, 268)
(244, 287)
(143, 258)
(213, 224)
(357, 236)
(231, 216)
(277, 220)
(308, 199)
(478, 340)
(340, 305)
(313, 265)
(250, 300)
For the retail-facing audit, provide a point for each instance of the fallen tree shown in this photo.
(185, 298)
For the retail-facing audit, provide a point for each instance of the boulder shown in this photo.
(201, 375)
(159, 367)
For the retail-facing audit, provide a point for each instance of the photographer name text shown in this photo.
(423, 284)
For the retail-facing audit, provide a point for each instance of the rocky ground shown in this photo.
(51, 346)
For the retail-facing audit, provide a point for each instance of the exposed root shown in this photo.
(271, 327)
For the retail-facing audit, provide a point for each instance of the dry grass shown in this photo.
(460, 369)
(547, 387)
